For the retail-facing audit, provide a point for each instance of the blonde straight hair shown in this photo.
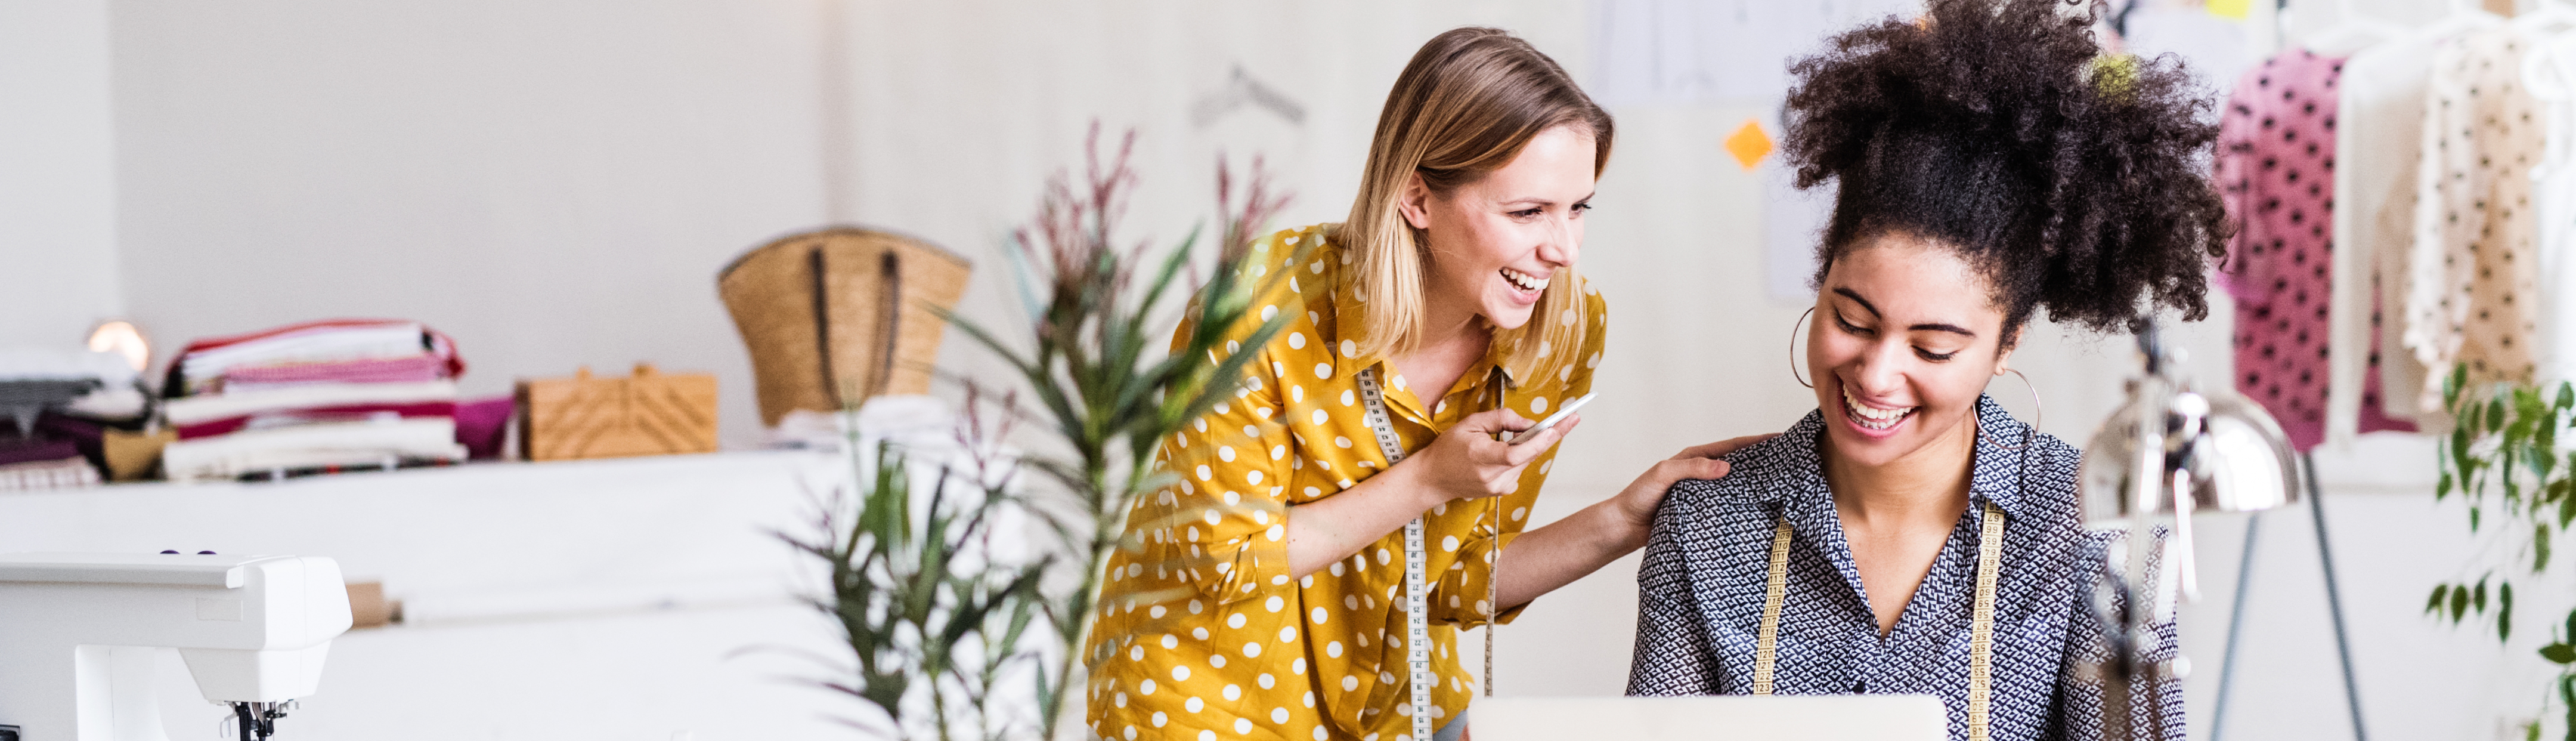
(1465, 106)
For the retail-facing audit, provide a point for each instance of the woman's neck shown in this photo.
(1447, 322)
(1450, 342)
(1928, 487)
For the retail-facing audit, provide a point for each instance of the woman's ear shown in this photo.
(1415, 202)
(2003, 360)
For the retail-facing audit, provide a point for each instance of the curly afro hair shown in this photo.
(2073, 181)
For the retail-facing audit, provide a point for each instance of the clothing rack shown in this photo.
(2334, 610)
(2415, 124)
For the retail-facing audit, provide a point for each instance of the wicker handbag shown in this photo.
(836, 316)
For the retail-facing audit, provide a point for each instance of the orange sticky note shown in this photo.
(1749, 144)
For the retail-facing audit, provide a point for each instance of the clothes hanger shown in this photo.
(2462, 17)
(2351, 32)
(2547, 17)
(2549, 74)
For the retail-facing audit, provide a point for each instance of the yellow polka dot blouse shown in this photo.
(1203, 635)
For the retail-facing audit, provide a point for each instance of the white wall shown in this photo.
(58, 261)
(555, 183)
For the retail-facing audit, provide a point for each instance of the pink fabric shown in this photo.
(440, 344)
(2276, 171)
(415, 369)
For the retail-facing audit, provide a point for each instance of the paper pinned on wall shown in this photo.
(1736, 53)
(1750, 144)
(1793, 222)
(1714, 51)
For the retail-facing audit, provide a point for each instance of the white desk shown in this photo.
(579, 600)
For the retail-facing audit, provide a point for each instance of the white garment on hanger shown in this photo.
(2379, 139)
(2474, 272)
(2552, 78)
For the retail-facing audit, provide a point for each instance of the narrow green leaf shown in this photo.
(2539, 546)
(2459, 603)
(2559, 653)
(2441, 592)
(2504, 612)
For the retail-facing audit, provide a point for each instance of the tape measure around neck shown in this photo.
(1981, 622)
(1417, 623)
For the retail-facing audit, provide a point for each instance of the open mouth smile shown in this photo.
(1524, 281)
(1872, 418)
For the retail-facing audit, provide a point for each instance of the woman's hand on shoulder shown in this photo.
(1638, 502)
(1468, 463)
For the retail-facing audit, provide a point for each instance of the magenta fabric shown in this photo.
(481, 425)
(2275, 169)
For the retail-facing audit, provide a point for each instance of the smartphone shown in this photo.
(1560, 415)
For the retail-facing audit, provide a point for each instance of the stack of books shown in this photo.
(320, 397)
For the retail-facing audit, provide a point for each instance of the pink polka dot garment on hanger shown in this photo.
(2276, 171)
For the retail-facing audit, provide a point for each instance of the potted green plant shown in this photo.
(940, 634)
(2502, 455)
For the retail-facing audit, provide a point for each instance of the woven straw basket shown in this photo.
(836, 316)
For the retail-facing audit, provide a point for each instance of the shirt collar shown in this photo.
(1995, 472)
(2004, 450)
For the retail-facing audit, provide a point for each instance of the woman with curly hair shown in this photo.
(1909, 536)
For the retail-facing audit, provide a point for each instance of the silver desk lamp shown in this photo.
(2206, 450)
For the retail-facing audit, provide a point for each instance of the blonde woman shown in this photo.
(1266, 599)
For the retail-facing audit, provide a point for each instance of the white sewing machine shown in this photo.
(79, 633)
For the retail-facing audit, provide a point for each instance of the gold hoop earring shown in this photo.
(1793, 348)
(2039, 414)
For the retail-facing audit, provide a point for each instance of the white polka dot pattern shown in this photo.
(1318, 656)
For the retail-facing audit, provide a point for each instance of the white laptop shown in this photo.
(1723, 718)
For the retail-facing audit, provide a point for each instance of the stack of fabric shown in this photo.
(309, 398)
(49, 398)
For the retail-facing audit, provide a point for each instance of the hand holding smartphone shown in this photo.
(1560, 415)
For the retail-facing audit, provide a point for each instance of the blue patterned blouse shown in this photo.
(1700, 591)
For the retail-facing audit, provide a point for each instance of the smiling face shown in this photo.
(1904, 340)
(1495, 243)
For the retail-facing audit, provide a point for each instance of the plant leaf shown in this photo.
(2559, 653)
(2441, 593)
(2504, 613)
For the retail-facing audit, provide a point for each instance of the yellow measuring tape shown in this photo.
(1981, 625)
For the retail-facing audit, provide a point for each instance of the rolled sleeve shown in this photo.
(1224, 514)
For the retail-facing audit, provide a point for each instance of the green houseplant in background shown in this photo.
(940, 633)
(2503, 457)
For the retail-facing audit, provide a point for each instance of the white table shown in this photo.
(624, 599)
